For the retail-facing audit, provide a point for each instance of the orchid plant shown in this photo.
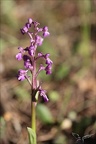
(30, 57)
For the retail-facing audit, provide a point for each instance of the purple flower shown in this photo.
(43, 94)
(24, 30)
(48, 69)
(21, 49)
(45, 31)
(19, 56)
(45, 28)
(28, 26)
(30, 21)
(48, 60)
(21, 74)
(31, 50)
(46, 57)
(39, 29)
(27, 62)
(38, 40)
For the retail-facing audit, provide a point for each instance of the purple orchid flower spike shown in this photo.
(30, 57)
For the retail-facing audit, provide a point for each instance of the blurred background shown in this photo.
(72, 86)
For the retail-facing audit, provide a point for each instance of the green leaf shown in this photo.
(32, 136)
(44, 114)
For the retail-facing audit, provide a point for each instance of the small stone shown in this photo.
(66, 124)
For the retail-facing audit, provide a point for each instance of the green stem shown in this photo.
(33, 116)
(33, 119)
